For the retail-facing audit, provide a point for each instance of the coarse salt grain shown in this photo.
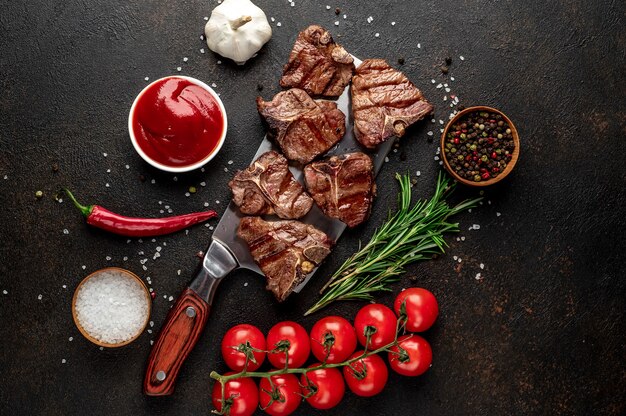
(462, 58)
(482, 266)
(40, 297)
(111, 307)
(478, 276)
(4, 292)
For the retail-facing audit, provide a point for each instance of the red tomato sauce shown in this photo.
(177, 123)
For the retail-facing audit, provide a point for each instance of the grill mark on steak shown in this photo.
(286, 251)
(342, 186)
(302, 127)
(384, 103)
(267, 187)
(317, 64)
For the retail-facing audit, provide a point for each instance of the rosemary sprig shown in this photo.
(412, 234)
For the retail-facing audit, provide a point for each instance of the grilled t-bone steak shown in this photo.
(286, 251)
(343, 186)
(268, 187)
(317, 64)
(384, 102)
(302, 127)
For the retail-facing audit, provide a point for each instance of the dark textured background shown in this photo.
(542, 333)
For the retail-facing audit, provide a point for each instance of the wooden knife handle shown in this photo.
(179, 335)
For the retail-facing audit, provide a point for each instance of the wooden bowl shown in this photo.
(510, 165)
(130, 275)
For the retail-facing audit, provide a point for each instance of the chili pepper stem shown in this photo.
(85, 210)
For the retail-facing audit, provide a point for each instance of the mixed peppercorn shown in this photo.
(479, 146)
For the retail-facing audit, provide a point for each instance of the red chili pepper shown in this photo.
(138, 227)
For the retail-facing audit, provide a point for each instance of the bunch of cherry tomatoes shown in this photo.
(333, 341)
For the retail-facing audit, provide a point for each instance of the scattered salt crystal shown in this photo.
(477, 226)
(245, 284)
(272, 19)
(393, 23)
(107, 185)
(66, 231)
(108, 258)
(440, 121)
(147, 78)
(70, 339)
(158, 248)
(498, 214)
(430, 133)
(63, 361)
(211, 228)
(217, 201)
(482, 266)
(201, 37)
(462, 238)
(187, 194)
(105, 154)
(203, 183)
(214, 85)
(144, 268)
(345, 16)
(171, 298)
(462, 58)
(64, 286)
(206, 204)
(4, 292)
(6, 177)
(40, 297)
(206, 17)
(185, 59)
(478, 276)
(151, 342)
(451, 78)
(201, 50)
(447, 89)
(445, 98)
(455, 258)
(127, 167)
(336, 22)
(433, 81)
(436, 157)
(164, 296)
(386, 159)
(327, 7)
(151, 324)
(153, 181)
(83, 267)
(418, 173)
(377, 35)
(230, 162)
(419, 46)
(439, 85)
(279, 24)
(460, 259)
(149, 331)
(178, 272)
(178, 68)
(225, 169)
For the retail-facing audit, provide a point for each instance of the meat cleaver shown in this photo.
(227, 252)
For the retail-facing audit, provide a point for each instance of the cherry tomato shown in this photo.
(418, 356)
(380, 317)
(234, 337)
(337, 328)
(328, 387)
(286, 395)
(421, 308)
(299, 347)
(374, 372)
(240, 394)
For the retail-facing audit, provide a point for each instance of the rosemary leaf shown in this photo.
(412, 234)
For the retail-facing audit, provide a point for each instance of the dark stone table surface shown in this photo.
(541, 332)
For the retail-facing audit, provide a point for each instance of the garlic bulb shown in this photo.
(237, 30)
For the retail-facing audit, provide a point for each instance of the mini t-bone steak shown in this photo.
(384, 103)
(267, 187)
(286, 251)
(302, 127)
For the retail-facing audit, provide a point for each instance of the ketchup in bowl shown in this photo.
(177, 122)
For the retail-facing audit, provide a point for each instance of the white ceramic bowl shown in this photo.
(195, 165)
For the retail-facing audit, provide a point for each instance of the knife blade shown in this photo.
(226, 253)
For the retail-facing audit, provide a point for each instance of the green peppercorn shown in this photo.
(481, 126)
(38, 194)
(498, 151)
(477, 178)
(485, 134)
(463, 136)
(484, 158)
(508, 131)
(460, 157)
(500, 136)
(473, 147)
(192, 189)
(453, 150)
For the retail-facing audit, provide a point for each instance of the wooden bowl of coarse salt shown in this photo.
(111, 307)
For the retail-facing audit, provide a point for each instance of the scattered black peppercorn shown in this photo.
(448, 61)
(55, 167)
(142, 178)
(444, 69)
(337, 10)
(259, 87)
(401, 61)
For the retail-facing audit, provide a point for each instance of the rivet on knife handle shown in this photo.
(179, 335)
